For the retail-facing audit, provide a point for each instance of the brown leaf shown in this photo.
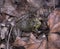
(36, 44)
(54, 41)
(54, 25)
(54, 20)
(19, 42)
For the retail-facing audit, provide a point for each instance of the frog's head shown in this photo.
(35, 23)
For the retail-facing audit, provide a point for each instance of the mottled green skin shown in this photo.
(29, 24)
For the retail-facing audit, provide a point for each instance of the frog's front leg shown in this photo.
(37, 31)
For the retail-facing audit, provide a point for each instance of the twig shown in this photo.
(9, 37)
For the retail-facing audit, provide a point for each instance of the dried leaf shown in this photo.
(19, 42)
(54, 20)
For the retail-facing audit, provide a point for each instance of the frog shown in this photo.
(29, 23)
